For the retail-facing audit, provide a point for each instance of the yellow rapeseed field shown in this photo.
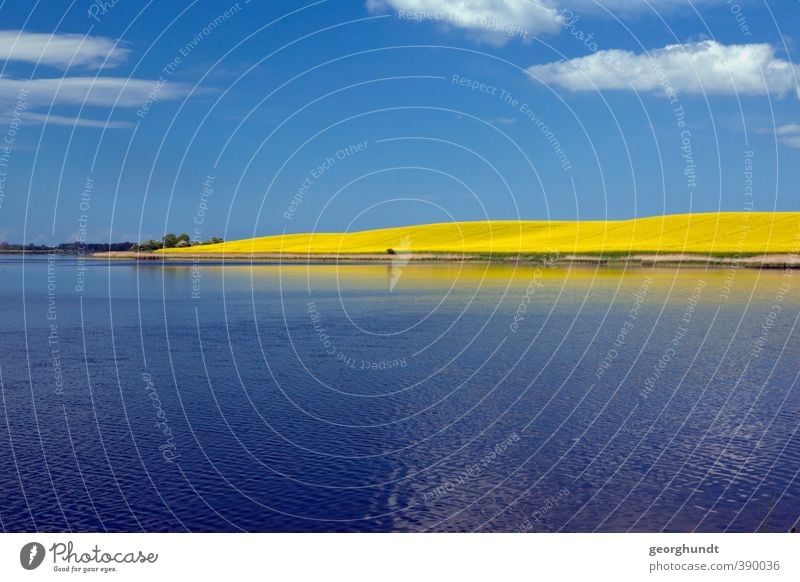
(707, 233)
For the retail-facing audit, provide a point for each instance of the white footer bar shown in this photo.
(400, 557)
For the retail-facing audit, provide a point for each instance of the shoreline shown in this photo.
(753, 261)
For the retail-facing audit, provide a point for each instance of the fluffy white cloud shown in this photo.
(59, 50)
(101, 91)
(74, 121)
(495, 21)
(498, 21)
(701, 67)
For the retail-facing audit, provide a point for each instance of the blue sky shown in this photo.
(129, 119)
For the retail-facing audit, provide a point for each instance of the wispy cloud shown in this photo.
(59, 50)
(100, 91)
(706, 67)
(68, 51)
(75, 121)
(788, 135)
(790, 129)
(503, 120)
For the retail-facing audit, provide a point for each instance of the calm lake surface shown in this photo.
(404, 397)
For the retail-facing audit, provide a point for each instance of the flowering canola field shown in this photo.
(707, 233)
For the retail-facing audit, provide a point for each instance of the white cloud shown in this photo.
(63, 51)
(788, 135)
(498, 21)
(494, 21)
(792, 141)
(790, 129)
(701, 67)
(101, 91)
(74, 121)
(59, 50)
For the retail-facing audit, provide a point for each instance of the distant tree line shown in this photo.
(73, 247)
(171, 241)
(30, 247)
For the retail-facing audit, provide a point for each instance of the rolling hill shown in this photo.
(722, 233)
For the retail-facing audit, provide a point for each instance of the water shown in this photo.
(467, 397)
